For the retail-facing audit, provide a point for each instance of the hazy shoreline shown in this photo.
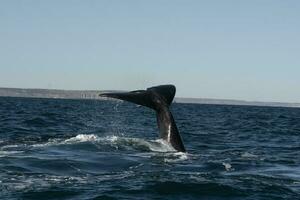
(94, 94)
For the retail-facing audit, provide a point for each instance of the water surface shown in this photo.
(86, 149)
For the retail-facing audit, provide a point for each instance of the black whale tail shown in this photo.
(158, 98)
(153, 97)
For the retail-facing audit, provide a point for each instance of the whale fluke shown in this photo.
(158, 98)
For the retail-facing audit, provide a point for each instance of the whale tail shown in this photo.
(163, 94)
(158, 98)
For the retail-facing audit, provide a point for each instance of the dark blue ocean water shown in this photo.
(86, 149)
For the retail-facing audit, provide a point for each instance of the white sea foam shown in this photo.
(176, 157)
(49, 143)
(82, 138)
(117, 142)
(73, 140)
(158, 145)
(227, 166)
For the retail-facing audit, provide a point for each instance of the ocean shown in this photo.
(93, 149)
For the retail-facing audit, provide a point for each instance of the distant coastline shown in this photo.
(94, 94)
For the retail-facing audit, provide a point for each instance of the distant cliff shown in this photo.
(46, 93)
(235, 102)
(94, 94)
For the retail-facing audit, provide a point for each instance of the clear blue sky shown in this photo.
(216, 49)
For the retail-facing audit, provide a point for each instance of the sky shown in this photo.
(244, 50)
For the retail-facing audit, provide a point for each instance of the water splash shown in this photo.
(158, 145)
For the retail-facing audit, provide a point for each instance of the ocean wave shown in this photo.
(248, 155)
(7, 153)
(196, 189)
(158, 149)
(158, 145)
